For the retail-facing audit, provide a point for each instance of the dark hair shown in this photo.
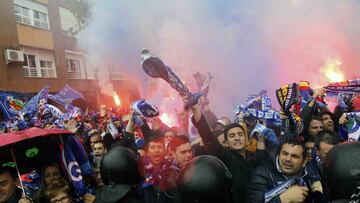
(327, 136)
(104, 145)
(40, 196)
(306, 135)
(327, 113)
(46, 165)
(10, 170)
(177, 141)
(316, 118)
(154, 138)
(309, 139)
(333, 117)
(293, 142)
(231, 126)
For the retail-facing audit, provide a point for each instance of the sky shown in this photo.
(247, 45)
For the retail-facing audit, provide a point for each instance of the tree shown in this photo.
(81, 11)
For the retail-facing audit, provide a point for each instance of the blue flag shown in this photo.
(10, 106)
(66, 95)
(32, 106)
(76, 165)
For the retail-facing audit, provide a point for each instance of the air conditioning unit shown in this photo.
(13, 56)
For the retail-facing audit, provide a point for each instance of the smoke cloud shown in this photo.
(246, 45)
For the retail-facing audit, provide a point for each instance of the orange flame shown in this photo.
(332, 70)
(117, 99)
(168, 119)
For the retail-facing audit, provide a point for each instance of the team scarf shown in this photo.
(156, 176)
(145, 108)
(257, 101)
(353, 126)
(203, 82)
(304, 93)
(259, 107)
(156, 68)
(268, 133)
(287, 97)
(343, 91)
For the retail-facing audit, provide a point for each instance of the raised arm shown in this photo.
(210, 142)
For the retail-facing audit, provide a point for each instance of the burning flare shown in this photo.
(332, 70)
(168, 120)
(117, 99)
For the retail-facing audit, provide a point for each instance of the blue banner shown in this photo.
(66, 95)
(10, 106)
(76, 163)
(32, 106)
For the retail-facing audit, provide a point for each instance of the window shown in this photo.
(22, 15)
(31, 13)
(38, 63)
(40, 20)
(73, 69)
(75, 65)
(46, 69)
(29, 66)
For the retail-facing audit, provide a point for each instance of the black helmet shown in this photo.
(342, 170)
(120, 166)
(119, 172)
(205, 179)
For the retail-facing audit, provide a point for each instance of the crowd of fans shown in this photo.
(135, 158)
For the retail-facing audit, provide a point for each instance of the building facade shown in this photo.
(37, 48)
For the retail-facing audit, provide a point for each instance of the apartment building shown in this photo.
(38, 49)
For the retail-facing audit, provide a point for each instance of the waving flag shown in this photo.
(76, 164)
(10, 106)
(66, 96)
(32, 106)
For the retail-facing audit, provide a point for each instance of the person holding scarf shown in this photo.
(237, 158)
(158, 172)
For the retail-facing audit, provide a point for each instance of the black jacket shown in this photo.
(16, 197)
(267, 177)
(239, 167)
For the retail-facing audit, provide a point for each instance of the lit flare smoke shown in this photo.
(168, 120)
(332, 70)
(117, 99)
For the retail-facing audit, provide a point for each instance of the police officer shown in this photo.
(205, 179)
(342, 172)
(120, 174)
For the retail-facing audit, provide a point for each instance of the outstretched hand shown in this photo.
(318, 93)
(196, 109)
(25, 199)
(343, 119)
